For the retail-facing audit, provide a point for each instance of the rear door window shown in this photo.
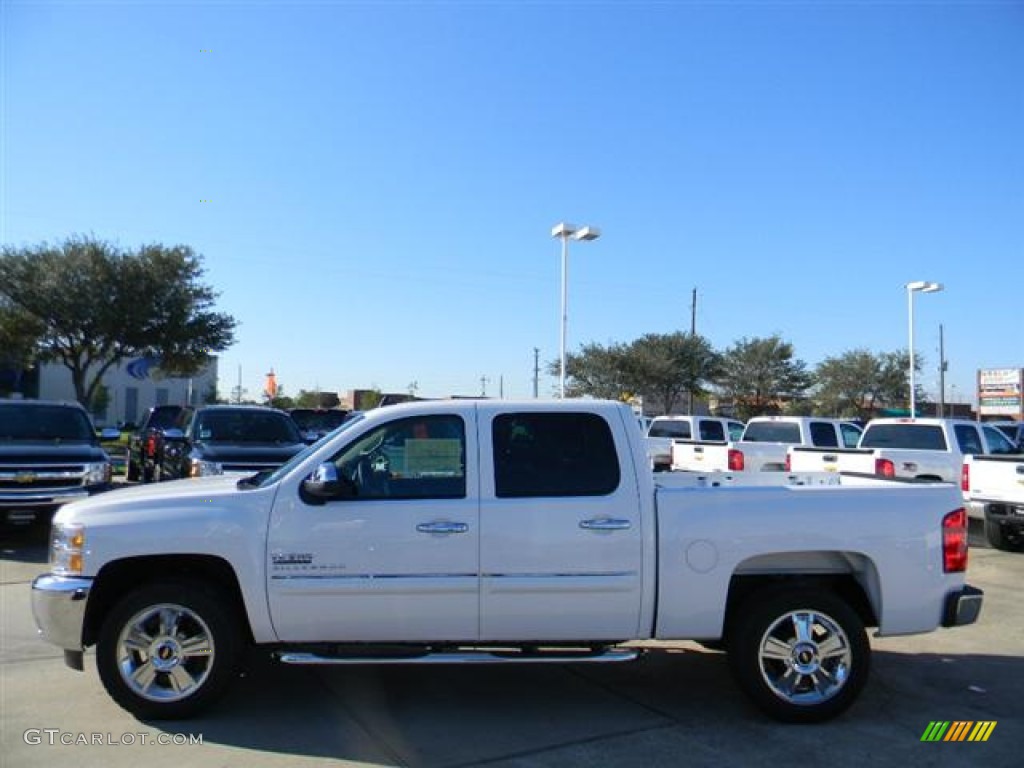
(968, 439)
(851, 435)
(554, 454)
(997, 442)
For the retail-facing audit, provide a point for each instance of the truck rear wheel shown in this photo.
(801, 654)
(1000, 537)
(167, 650)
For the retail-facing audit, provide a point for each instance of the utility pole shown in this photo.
(693, 333)
(943, 365)
(483, 386)
(536, 372)
(501, 386)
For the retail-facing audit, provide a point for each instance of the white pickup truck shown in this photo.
(666, 429)
(912, 449)
(502, 532)
(996, 484)
(763, 445)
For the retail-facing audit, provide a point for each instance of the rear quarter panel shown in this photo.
(888, 535)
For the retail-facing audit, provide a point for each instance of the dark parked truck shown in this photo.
(141, 456)
(49, 455)
(225, 439)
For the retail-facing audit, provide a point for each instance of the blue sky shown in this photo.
(382, 178)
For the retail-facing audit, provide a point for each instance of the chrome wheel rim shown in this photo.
(165, 652)
(805, 657)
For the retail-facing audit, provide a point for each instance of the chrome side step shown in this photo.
(467, 657)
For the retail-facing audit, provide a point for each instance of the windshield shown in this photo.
(242, 426)
(45, 422)
(164, 417)
(260, 480)
(318, 421)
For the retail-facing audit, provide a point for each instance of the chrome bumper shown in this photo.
(962, 607)
(58, 605)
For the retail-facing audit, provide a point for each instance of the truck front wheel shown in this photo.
(167, 650)
(801, 654)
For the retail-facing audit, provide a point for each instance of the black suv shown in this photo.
(49, 455)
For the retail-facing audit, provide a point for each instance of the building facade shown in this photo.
(132, 388)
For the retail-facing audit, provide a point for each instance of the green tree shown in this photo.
(595, 371)
(660, 368)
(859, 382)
(90, 305)
(316, 399)
(665, 367)
(760, 375)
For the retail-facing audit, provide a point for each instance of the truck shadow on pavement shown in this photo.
(673, 704)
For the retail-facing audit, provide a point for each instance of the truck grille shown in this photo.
(35, 477)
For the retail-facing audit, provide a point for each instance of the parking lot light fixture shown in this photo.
(564, 231)
(918, 286)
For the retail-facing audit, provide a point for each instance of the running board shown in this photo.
(474, 657)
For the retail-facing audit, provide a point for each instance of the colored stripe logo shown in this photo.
(958, 730)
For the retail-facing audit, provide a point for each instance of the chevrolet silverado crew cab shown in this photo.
(763, 445)
(49, 456)
(502, 532)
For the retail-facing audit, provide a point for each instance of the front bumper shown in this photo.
(58, 605)
(962, 606)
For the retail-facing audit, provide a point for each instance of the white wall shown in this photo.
(131, 395)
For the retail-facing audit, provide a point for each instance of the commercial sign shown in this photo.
(1001, 392)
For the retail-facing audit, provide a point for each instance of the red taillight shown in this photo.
(736, 462)
(789, 463)
(965, 478)
(954, 542)
(885, 468)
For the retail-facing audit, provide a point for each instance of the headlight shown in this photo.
(97, 473)
(200, 468)
(67, 549)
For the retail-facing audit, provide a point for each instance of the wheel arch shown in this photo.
(850, 575)
(119, 577)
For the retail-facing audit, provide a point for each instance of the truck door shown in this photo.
(398, 560)
(561, 545)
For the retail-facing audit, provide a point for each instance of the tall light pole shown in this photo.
(921, 286)
(564, 231)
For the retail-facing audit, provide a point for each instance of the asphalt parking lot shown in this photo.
(677, 706)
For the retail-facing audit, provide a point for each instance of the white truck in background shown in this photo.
(664, 430)
(996, 485)
(763, 445)
(910, 449)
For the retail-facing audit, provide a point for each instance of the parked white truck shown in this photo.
(763, 445)
(912, 449)
(995, 484)
(494, 531)
(666, 429)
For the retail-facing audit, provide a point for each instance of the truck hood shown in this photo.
(154, 500)
(30, 451)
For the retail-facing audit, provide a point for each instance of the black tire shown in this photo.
(994, 534)
(167, 636)
(783, 669)
(1003, 537)
(131, 469)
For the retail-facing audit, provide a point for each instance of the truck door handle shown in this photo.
(442, 526)
(605, 524)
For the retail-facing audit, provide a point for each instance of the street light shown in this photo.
(921, 286)
(564, 231)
